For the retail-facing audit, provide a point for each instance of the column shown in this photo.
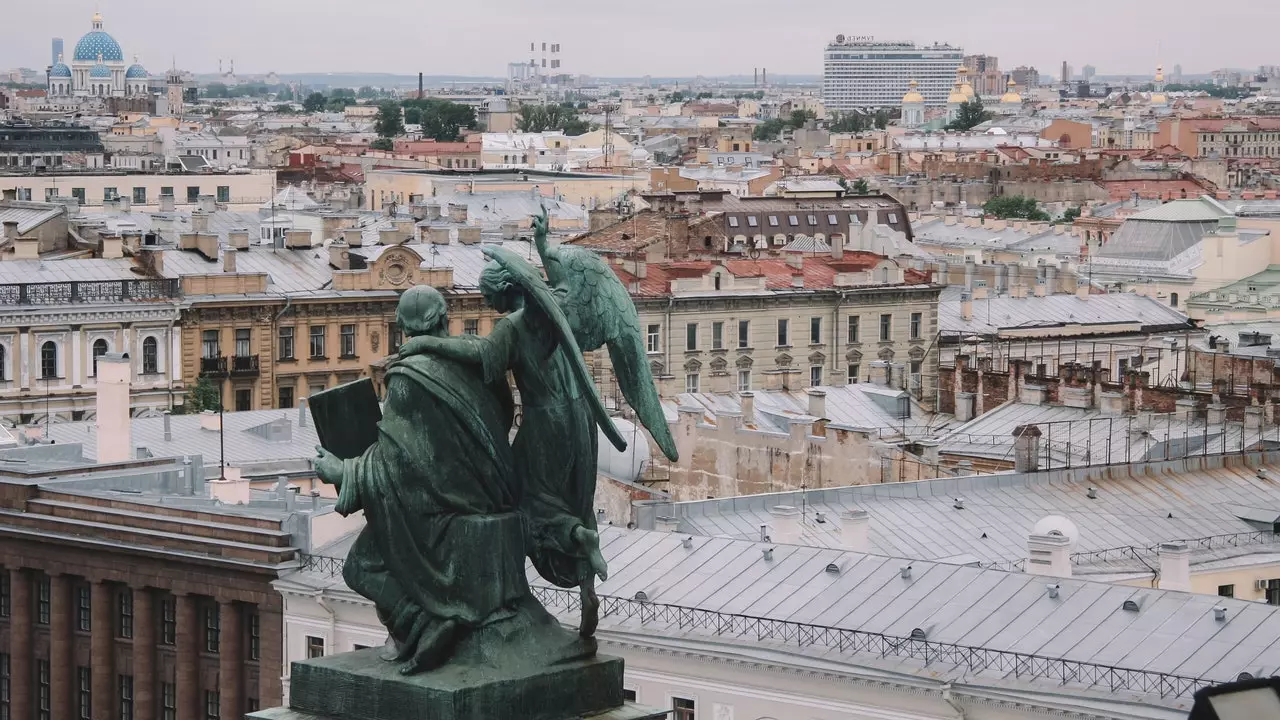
(271, 656)
(62, 672)
(188, 675)
(22, 368)
(231, 661)
(20, 627)
(73, 371)
(102, 649)
(144, 654)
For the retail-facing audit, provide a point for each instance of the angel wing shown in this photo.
(599, 309)
(540, 296)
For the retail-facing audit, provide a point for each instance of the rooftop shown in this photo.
(1010, 316)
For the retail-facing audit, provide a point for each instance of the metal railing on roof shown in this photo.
(1020, 665)
(323, 564)
(79, 291)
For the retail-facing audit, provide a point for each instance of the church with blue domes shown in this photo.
(97, 69)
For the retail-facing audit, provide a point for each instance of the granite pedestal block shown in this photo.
(360, 686)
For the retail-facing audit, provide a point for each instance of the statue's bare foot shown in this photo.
(590, 607)
(409, 646)
(589, 541)
(433, 648)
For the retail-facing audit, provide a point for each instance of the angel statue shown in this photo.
(541, 341)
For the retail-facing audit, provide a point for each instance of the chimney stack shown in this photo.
(168, 427)
(966, 306)
(10, 230)
(229, 259)
(1049, 555)
(302, 412)
(817, 403)
(199, 221)
(854, 530)
(207, 204)
(167, 203)
(748, 404)
(1026, 448)
(115, 442)
(1175, 566)
(786, 524)
(353, 237)
(238, 239)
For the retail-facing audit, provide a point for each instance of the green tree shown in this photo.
(1070, 214)
(705, 95)
(412, 115)
(367, 93)
(800, 117)
(285, 94)
(217, 90)
(338, 104)
(347, 93)
(389, 121)
(441, 120)
(971, 115)
(382, 143)
(861, 187)
(882, 119)
(1014, 207)
(849, 123)
(541, 118)
(202, 396)
(677, 96)
(769, 130)
(315, 102)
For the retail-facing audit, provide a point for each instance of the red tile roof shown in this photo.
(819, 272)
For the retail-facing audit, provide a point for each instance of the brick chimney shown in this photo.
(677, 235)
(26, 248)
(115, 441)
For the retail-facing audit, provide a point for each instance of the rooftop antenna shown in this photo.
(609, 110)
(222, 438)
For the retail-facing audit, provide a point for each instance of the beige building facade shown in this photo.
(143, 191)
(591, 190)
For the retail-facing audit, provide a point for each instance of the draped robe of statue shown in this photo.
(444, 538)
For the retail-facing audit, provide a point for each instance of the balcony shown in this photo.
(244, 365)
(214, 366)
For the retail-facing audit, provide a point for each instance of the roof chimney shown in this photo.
(115, 440)
(168, 427)
(353, 237)
(817, 403)
(1175, 566)
(10, 230)
(1049, 555)
(297, 239)
(238, 239)
(26, 248)
(199, 222)
(112, 247)
(207, 204)
(786, 524)
(966, 306)
(229, 259)
(302, 412)
(167, 203)
(748, 403)
(854, 527)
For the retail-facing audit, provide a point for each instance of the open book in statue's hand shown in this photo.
(347, 418)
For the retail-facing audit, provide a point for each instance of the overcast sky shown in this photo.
(657, 37)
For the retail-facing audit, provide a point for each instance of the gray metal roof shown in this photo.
(1190, 210)
(995, 313)
(29, 215)
(71, 270)
(918, 519)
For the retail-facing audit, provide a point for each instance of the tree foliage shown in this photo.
(800, 117)
(382, 143)
(202, 396)
(1015, 207)
(769, 130)
(315, 102)
(972, 114)
(540, 118)
(389, 121)
(861, 187)
(1070, 214)
(850, 123)
(441, 120)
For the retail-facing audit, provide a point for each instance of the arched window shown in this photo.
(99, 349)
(717, 279)
(1173, 299)
(49, 360)
(150, 356)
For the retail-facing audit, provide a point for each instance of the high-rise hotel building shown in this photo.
(859, 72)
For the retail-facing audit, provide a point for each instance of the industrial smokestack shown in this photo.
(764, 75)
(419, 86)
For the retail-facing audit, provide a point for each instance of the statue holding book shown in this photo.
(452, 508)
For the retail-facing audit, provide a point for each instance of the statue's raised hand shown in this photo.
(328, 467)
(541, 223)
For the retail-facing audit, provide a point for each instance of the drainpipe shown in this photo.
(275, 338)
(330, 640)
(835, 337)
(667, 345)
(168, 352)
(947, 697)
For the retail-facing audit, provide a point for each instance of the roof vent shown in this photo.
(1131, 606)
(1092, 494)
(917, 634)
(905, 572)
(833, 568)
(820, 517)
(1053, 590)
(958, 503)
(1244, 676)
(642, 596)
(768, 554)
(687, 543)
(1220, 613)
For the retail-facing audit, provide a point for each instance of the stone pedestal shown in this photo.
(360, 686)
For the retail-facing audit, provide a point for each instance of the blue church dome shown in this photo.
(136, 72)
(100, 71)
(98, 44)
(60, 70)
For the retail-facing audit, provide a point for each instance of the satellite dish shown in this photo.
(1057, 525)
(840, 39)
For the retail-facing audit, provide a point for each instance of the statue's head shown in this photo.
(422, 311)
(498, 289)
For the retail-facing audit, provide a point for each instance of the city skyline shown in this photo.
(289, 37)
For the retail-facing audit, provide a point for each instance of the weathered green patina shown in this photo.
(452, 510)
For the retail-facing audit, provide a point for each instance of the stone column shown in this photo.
(188, 657)
(20, 627)
(102, 649)
(270, 658)
(231, 661)
(62, 672)
(144, 654)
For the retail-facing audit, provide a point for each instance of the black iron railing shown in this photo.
(244, 365)
(331, 566)
(213, 365)
(65, 293)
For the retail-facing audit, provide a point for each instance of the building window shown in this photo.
(1273, 592)
(255, 636)
(628, 695)
(1173, 300)
(6, 590)
(853, 329)
(125, 613)
(1227, 591)
(691, 336)
(168, 702)
(744, 380)
(150, 356)
(84, 608)
(49, 361)
(212, 627)
(109, 194)
(126, 697)
(886, 327)
(815, 375)
(916, 319)
(43, 710)
(78, 194)
(4, 686)
(317, 342)
(166, 190)
(683, 709)
(84, 689)
(168, 620)
(209, 345)
(284, 341)
(852, 373)
(717, 336)
(42, 600)
(470, 327)
(242, 342)
(193, 194)
(224, 193)
(783, 336)
(347, 341)
(212, 705)
(744, 333)
(315, 647)
(285, 400)
(395, 338)
(244, 399)
(140, 196)
(653, 339)
(99, 349)
(815, 331)
(691, 382)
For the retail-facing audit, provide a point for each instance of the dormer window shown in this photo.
(733, 221)
(751, 221)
